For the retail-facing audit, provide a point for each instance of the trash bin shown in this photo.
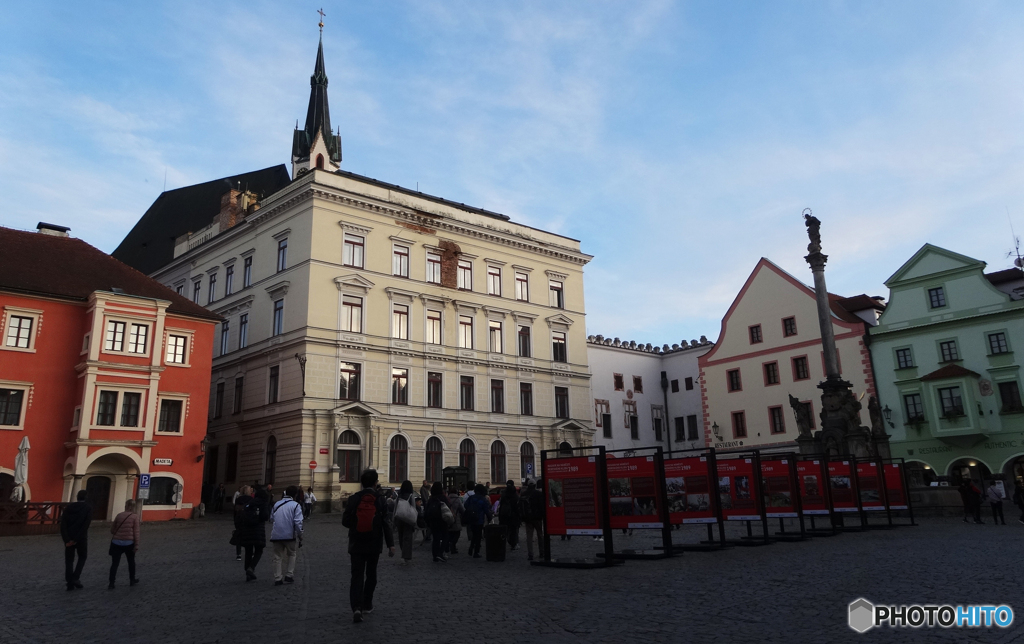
(494, 539)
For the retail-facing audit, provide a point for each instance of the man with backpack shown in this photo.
(532, 511)
(365, 517)
(286, 534)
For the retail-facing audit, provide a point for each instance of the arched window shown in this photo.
(319, 162)
(163, 490)
(527, 468)
(349, 457)
(398, 461)
(434, 459)
(498, 471)
(467, 457)
(565, 448)
(270, 461)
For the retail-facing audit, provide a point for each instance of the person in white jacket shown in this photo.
(286, 534)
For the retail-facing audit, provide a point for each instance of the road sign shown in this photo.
(143, 493)
(143, 481)
(312, 465)
(529, 469)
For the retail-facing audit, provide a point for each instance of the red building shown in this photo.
(107, 373)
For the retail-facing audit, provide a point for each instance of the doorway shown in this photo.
(6, 487)
(97, 490)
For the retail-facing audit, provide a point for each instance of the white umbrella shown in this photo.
(20, 471)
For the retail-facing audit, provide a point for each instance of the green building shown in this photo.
(947, 353)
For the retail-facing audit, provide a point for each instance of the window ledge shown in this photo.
(1011, 412)
(1004, 353)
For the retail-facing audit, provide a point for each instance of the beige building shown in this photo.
(368, 325)
(770, 349)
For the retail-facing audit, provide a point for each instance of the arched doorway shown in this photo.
(565, 448)
(498, 470)
(398, 460)
(467, 457)
(6, 487)
(97, 490)
(434, 459)
(527, 467)
(107, 483)
(920, 474)
(349, 457)
(969, 468)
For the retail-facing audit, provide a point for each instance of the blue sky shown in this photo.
(678, 141)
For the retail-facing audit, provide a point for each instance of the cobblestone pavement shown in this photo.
(193, 590)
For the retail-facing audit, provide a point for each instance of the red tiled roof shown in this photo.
(950, 371)
(70, 268)
(860, 303)
(840, 312)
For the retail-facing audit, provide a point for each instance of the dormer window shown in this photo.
(319, 162)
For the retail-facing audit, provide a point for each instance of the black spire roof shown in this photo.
(318, 115)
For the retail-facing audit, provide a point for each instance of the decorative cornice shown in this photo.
(281, 288)
(354, 228)
(239, 305)
(354, 282)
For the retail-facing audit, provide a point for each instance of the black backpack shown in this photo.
(251, 514)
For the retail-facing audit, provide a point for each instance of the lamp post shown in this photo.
(887, 413)
(203, 446)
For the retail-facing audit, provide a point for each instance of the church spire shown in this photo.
(315, 145)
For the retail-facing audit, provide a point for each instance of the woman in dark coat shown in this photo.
(436, 523)
(508, 513)
(251, 518)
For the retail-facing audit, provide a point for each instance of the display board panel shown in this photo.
(869, 483)
(841, 484)
(573, 498)
(688, 482)
(811, 482)
(895, 486)
(633, 498)
(777, 486)
(736, 490)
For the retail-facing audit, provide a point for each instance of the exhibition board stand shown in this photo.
(637, 499)
(781, 497)
(741, 494)
(691, 488)
(871, 490)
(815, 492)
(845, 490)
(895, 490)
(575, 485)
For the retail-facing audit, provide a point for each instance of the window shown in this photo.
(218, 401)
(524, 341)
(606, 425)
(771, 373)
(107, 408)
(130, 409)
(775, 419)
(1009, 394)
(352, 313)
(176, 349)
(398, 460)
(733, 377)
(236, 401)
(433, 268)
(527, 468)
(522, 287)
(466, 393)
(19, 331)
(693, 433)
(788, 327)
(618, 382)
(467, 457)
(755, 334)
(434, 459)
(231, 463)
(278, 317)
(937, 297)
(680, 424)
(555, 295)
(225, 328)
(914, 407)
(465, 332)
(434, 390)
(180, 289)
(465, 275)
(675, 386)
(400, 321)
(229, 280)
(170, 416)
(638, 384)
(904, 358)
(634, 427)
(997, 343)
(137, 338)
(353, 253)
(163, 490)
(494, 336)
(211, 295)
(949, 351)
(561, 402)
(349, 377)
(243, 330)
(115, 337)
(247, 272)
(689, 384)
(349, 457)
(197, 286)
(739, 424)
(558, 353)
(656, 421)
(270, 461)
(400, 261)
(800, 368)
(493, 280)
(11, 401)
(498, 396)
(952, 403)
(526, 398)
(498, 473)
(275, 374)
(400, 386)
(282, 254)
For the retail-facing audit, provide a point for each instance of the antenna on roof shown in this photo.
(1019, 261)
(165, 180)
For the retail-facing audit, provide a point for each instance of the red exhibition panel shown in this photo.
(778, 488)
(735, 489)
(841, 484)
(894, 488)
(573, 506)
(811, 478)
(633, 492)
(870, 485)
(688, 482)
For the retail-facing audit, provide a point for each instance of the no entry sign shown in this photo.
(312, 465)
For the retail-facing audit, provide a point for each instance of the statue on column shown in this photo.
(803, 416)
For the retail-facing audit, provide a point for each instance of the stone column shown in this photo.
(816, 259)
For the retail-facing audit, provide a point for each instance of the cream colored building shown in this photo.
(368, 325)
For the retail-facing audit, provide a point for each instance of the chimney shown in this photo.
(52, 229)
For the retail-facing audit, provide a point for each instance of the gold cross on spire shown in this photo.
(322, 14)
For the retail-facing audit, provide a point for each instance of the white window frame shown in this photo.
(184, 398)
(464, 271)
(400, 254)
(129, 323)
(274, 330)
(211, 295)
(229, 280)
(433, 267)
(243, 330)
(167, 475)
(267, 391)
(282, 255)
(119, 408)
(428, 331)
(561, 294)
(346, 313)
(14, 311)
(490, 336)
(358, 248)
(26, 400)
(188, 334)
(522, 286)
(247, 272)
(529, 328)
(225, 336)
(197, 289)
(400, 321)
(565, 341)
(494, 280)
(133, 338)
(462, 335)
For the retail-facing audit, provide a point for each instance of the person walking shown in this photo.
(246, 491)
(455, 529)
(310, 500)
(1018, 498)
(424, 498)
(286, 534)
(477, 514)
(364, 518)
(436, 522)
(995, 499)
(74, 531)
(250, 530)
(124, 541)
(405, 520)
(218, 498)
(975, 494)
(508, 513)
(531, 510)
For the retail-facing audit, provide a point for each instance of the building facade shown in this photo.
(634, 406)
(944, 355)
(103, 370)
(368, 325)
(769, 350)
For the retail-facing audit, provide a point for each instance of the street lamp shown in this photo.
(888, 416)
(714, 429)
(203, 446)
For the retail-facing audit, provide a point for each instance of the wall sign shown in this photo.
(162, 461)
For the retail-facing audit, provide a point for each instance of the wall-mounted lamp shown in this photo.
(203, 446)
(888, 416)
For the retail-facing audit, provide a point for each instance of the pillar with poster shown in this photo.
(692, 496)
(636, 491)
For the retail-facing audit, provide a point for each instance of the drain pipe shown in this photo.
(667, 425)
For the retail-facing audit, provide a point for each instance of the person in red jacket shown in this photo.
(366, 518)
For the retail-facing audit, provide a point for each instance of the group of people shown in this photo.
(74, 531)
(973, 498)
(253, 509)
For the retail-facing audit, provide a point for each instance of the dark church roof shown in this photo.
(150, 244)
(318, 116)
(65, 267)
